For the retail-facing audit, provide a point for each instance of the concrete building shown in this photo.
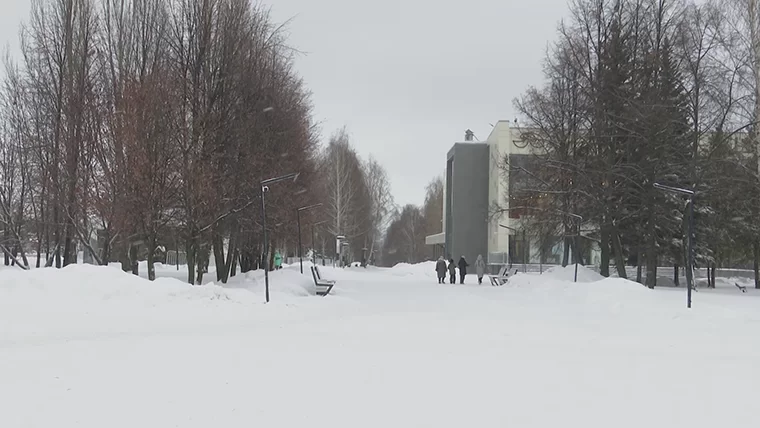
(466, 200)
(481, 200)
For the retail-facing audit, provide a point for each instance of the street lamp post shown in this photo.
(577, 239)
(690, 245)
(300, 246)
(343, 245)
(265, 188)
(313, 246)
(338, 250)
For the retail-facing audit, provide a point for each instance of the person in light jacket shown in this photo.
(440, 269)
(277, 260)
(452, 271)
(480, 268)
(462, 269)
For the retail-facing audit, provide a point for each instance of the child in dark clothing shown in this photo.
(452, 271)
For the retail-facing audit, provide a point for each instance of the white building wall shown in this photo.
(504, 140)
(502, 143)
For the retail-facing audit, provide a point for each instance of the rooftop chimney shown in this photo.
(468, 134)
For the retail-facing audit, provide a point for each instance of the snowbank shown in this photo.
(87, 299)
(91, 345)
(567, 273)
(426, 269)
(96, 283)
(285, 282)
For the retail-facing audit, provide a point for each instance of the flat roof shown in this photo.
(437, 239)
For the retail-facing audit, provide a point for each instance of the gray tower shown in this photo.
(466, 201)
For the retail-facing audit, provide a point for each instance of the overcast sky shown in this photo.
(407, 77)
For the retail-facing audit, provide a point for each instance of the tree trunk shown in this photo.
(675, 274)
(105, 254)
(39, 253)
(651, 254)
(199, 268)
(619, 258)
(604, 245)
(756, 261)
(246, 261)
(68, 247)
(126, 265)
(6, 237)
(151, 243)
(201, 262)
(47, 245)
(688, 255)
(231, 253)
(41, 231)
(24, 259)
(639, 258)
(57, 236)
(218, 249)
(712, 275)
(133, 259)
(233, 269)
(566, 251)
(190, 250)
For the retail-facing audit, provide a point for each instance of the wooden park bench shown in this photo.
(324, 286)
(742, 288)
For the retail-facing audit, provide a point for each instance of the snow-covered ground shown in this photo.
(94, 347)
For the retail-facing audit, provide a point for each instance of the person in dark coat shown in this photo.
(452, 271)
(440, 269)
(462, 269)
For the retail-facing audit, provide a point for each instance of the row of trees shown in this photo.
(132, 125)
(639, 92)
(405, 237)
(358, 200)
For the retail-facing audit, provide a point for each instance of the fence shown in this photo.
(665, 274)
(319, 261)
(171, 257)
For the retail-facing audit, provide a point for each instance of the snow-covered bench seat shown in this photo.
(324, 286)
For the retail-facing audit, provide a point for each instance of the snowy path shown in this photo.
(386, 350)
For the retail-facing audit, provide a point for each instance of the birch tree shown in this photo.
(381, 202)
(346, 192)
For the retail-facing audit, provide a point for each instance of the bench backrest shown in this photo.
(314, 274)
(504, 271)
(319, 275)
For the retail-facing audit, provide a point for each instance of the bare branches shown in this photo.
(148, 123)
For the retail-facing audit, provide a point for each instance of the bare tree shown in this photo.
(405, 238)
(143, 122)
(348, 203)
(381, 201)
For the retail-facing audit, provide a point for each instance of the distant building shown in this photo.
(476, 187)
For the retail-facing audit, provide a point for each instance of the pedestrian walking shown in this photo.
(480, 268)
(452, 272)
(277, 260)
(440, 269)
(462, 269)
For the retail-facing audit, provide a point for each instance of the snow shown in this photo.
(93, 347)
(426, 269)
(567, 273)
